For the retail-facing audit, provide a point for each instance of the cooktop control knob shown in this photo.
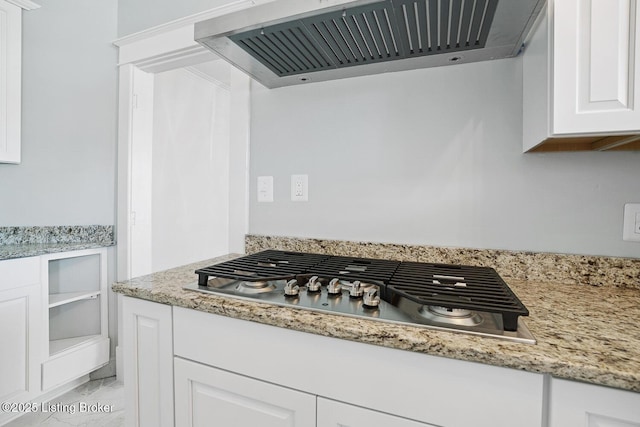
(371, 299)
(314, 284)
(334, 287)
(356, 290)
(291, 289)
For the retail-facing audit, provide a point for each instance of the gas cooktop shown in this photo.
(468, 299)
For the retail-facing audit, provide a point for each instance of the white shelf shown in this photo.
(57, 346)
(56, 300)
(74, 293)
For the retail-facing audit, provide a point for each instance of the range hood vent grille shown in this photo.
(377, 32)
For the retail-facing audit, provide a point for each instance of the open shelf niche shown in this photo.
(75, 286)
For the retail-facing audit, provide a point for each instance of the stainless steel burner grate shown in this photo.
(481, 289)
(262, 266)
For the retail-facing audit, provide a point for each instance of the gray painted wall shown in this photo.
(427, 157)
(67, 175)
(432, 157)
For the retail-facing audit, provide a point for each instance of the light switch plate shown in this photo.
(631, 223)
(265, 189)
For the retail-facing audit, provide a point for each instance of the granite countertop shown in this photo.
(23, 242)
(578, 336)
(37, 249)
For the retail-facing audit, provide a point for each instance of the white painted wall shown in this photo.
(67, 174)
(432, 157)
(190, 189)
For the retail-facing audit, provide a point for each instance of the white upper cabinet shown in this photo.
(10, 81)
(11, 77)
(595, 69)
(582, 77)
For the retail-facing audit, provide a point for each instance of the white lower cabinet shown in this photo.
(219, 371)
(338, 414)
(210, 397)
(407, 385)
(573, 404)
(53, 324)
(148, 363)
(20, 331)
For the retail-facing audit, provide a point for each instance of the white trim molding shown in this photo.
(25, 4)
(157, 52)
(209, 78)
(162, 48)
(186, 21)
(175, 38)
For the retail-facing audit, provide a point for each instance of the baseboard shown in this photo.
(107, 371)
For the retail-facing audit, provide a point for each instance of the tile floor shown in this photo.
(82, 401)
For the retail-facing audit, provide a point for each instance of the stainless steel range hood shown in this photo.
(288, 42)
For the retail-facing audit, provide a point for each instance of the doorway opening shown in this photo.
(182, 154)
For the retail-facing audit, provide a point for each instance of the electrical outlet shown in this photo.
(631, 224)
(265, 189)
(300, 188)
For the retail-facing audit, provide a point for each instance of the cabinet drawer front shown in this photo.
(207, 396)
(16, 273)
(338, 414)
(426, 388)
(75, 363)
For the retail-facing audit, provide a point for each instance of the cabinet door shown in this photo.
(210, 397)
(148, 362)
(20, 331)
(338, 414)
(18, 314)
(574, 404)
(596, 66)
(10, 81)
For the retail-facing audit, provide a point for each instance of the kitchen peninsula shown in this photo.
(569, 316)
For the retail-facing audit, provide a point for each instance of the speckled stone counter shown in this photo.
(580, 333)
(551, 267)
(22, 242)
